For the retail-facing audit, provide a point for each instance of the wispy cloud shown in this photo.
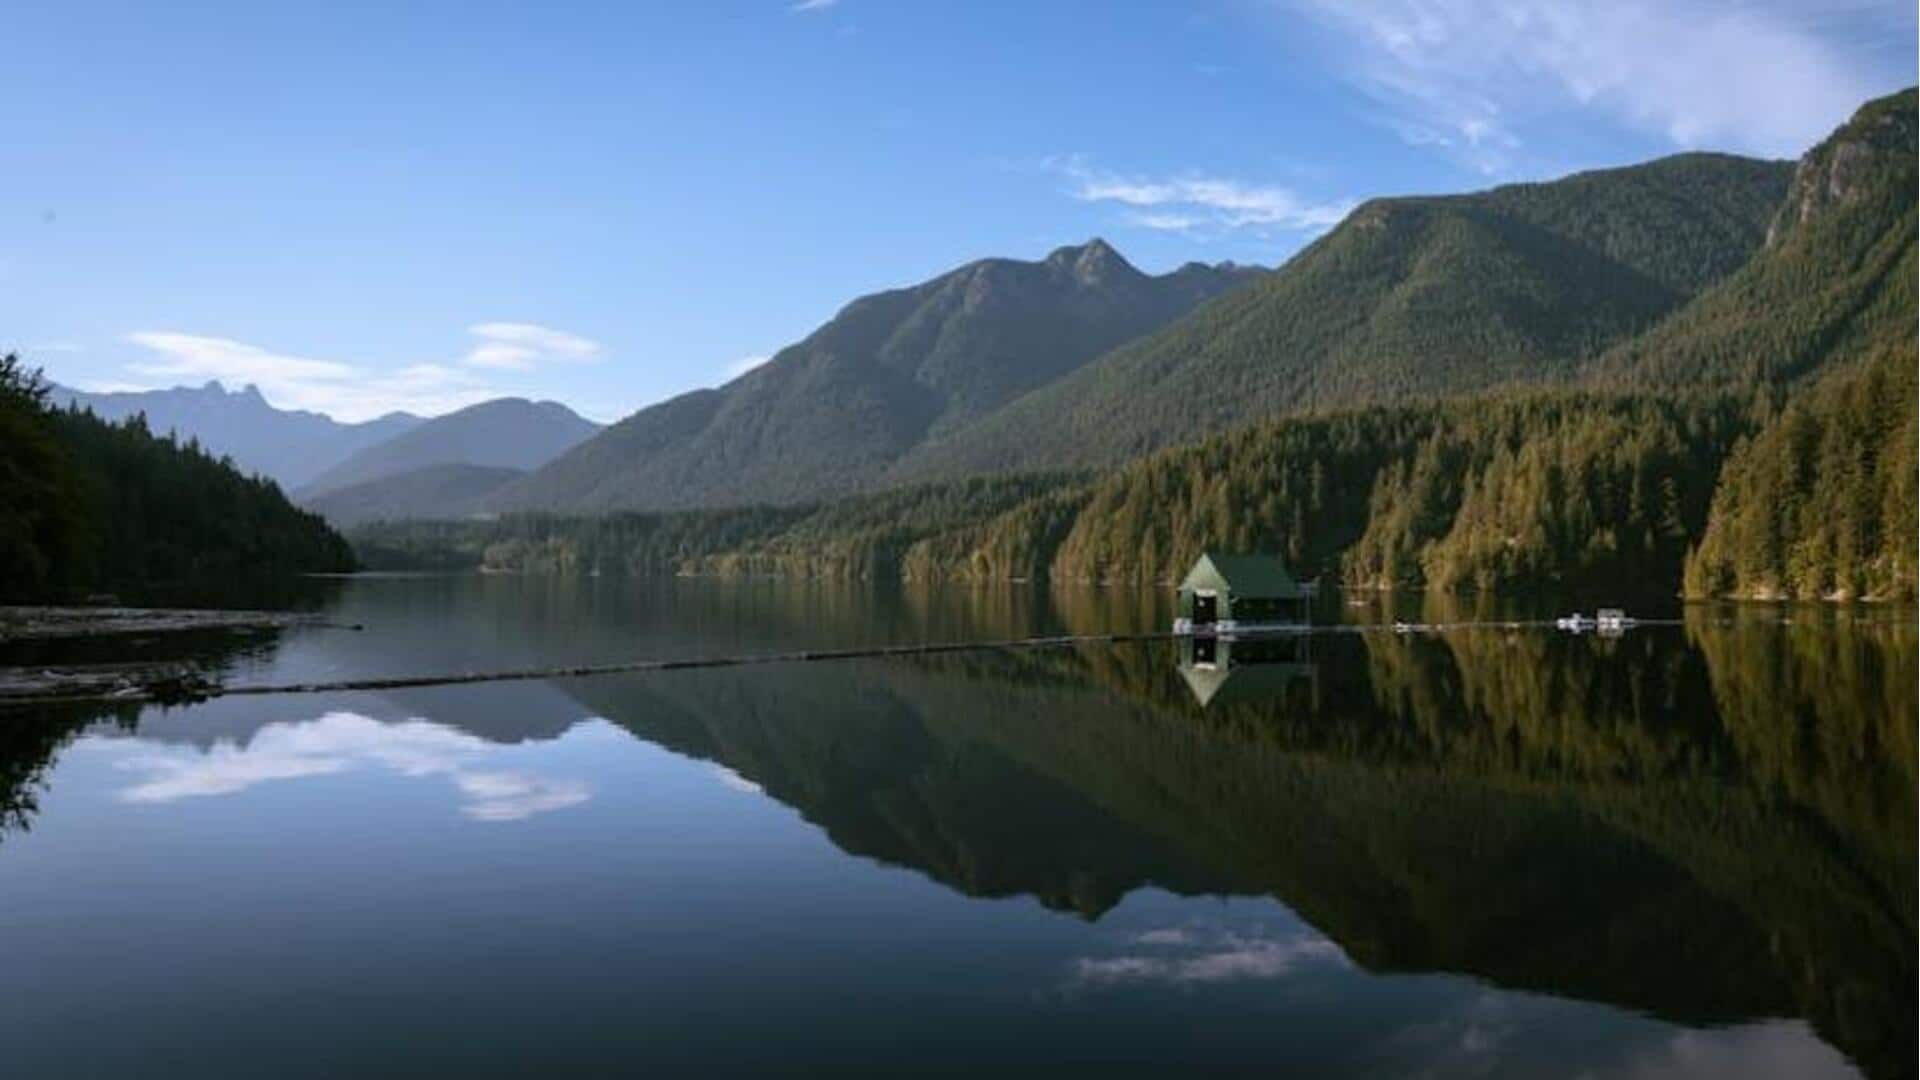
(344, 391)
(1469, 77)
(108, 386)
(341, 742)
(1185, 956)
(519, 346)
(1195, 200)
(812, 5)
(745, 364)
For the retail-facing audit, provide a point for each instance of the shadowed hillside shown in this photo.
(829, 415)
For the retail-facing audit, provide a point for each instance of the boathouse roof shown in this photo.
(1244, 575)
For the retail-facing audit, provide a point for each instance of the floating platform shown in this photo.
(1229, 627)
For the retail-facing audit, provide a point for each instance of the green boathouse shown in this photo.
(1225, 591)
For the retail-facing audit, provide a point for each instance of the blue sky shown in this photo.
(423, 205)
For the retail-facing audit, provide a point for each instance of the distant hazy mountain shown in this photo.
(505, 433)
(440, 492)
(1407, 299)
(831, 414)
(291, 446)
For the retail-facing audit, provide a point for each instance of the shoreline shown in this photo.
(51, 623)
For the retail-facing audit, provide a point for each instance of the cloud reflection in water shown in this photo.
(1185, 956)
(340, 742)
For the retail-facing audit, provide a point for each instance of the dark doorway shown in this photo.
(1203, 609)
(1203, 650)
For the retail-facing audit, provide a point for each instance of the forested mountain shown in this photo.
(861, 536)
(291, 446)
(1760, 442)
(445, 492)
(1407, 299)
(1833, 282)
(505, 433)
(830, 415)
(87, 505)
(1821, 503)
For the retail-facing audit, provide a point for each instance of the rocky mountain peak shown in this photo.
(1878, 139)
(1093, 263)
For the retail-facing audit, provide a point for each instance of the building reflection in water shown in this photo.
(1228, 669)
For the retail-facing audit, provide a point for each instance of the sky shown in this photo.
(419, 206)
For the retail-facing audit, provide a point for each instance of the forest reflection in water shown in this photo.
(1709, 823)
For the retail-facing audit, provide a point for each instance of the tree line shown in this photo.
(89, 507)
(1526, 489)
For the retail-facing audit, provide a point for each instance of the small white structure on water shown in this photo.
(1607, 621)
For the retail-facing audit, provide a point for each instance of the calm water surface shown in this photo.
(1689, 851)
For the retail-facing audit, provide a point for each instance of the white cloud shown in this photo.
(108, 386)
(1182, 956)
(510, 796)
(735, 781)
(341, 390)
(745, 364)
(350, 392)
(519, 346)
(1469, 76)
(813, 5)
(1193, 200)
(496, 354)
(1166, 222)
(1773, 1050)
(340, 742)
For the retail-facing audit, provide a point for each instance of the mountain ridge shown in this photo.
(829, 414)
(289, 445)
(1408, 298)
(506, 432)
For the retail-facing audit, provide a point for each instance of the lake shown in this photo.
(1487, 851)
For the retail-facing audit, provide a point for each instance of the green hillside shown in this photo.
(830, 415)
(1523, 490)
(1408, 299)
(431, 491)
(1821, 503)
(1834, 280)
(1758, 442)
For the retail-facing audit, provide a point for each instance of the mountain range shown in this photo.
(1082, 361)
(835, 412)
(1698, 370)
(290, 445)
(442, 466)
(1695, 273)
(1408, 299)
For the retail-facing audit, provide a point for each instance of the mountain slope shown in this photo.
(291, 446)
(1408, 298)
(1834, 280)
(440, 492)
(829, 415)
(505, 433)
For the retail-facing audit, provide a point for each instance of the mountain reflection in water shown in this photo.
(1711, 824)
